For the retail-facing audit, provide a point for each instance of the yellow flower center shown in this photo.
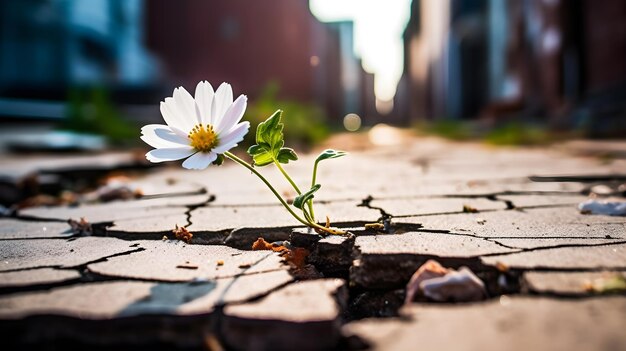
(203, 138)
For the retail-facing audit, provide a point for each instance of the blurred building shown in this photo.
(253, 43)
(140, 50)
(561, 61)
(46, 46)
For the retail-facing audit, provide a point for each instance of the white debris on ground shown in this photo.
(597, 207)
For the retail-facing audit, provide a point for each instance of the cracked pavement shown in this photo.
(509, 214)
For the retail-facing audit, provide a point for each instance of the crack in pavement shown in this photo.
(556, 247)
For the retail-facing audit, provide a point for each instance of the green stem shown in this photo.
(282, 170)
(319, 227)
(310, 203)
(280, 198)
(295, 187)
(314, 173)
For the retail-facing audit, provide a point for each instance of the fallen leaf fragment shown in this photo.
(245, 265)
(82, 227)
(220, 262)
(187, 266)
(469, 209)
(296, 257)
(182, 234)
(374, 226)
(614, 284)
(261, 244)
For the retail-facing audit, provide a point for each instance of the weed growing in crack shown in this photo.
(202, 130)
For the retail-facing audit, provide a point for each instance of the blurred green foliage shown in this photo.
(510, 133)
(516, 133)
(449, 129)
(305, 124)
(91, 111)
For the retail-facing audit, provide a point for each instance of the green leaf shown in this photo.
(286, 154)
(302, 199)
(219, 160)
(269, 143)
(328, 154)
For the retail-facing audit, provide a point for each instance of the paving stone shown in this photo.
(543, 200)
(384, 261)
(19, 167)
(158, 184)
(564, 283)
(510, 323)
(333, 254)
(300, 316)
(37, 276)
(18, 229)
(171, 201)
(107, 300)
(176, 261)
(530, 223)
(148, 228)
(408, 207)
(610, 256)
(214, 218)
(23, 254)
(101, 213)
(553, 242)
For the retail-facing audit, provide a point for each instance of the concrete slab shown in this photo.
(18, 229)
(531, 223)
(302, 316)
(37, 276)
(385, 261)
(175, 261)
(509, 323)
(424, 206)
(609, 256)
(565, 283)
(36, 253)
(111, 300)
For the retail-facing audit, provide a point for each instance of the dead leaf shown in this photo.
(82, 227)
(469, 209)
(182, 234)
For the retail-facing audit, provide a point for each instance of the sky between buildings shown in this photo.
(378, 27)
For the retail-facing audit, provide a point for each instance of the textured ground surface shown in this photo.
(509, 214)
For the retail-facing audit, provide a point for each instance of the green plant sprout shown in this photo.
(269, 149)
(202, 130)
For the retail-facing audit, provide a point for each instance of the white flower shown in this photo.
(197, 129)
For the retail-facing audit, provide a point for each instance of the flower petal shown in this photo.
(233, 114)
(200, 160)
(186, 105)
(222, 99)
(204, 99)
(162, 136)
(169, 154)
(234, 136)
(174, 117)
